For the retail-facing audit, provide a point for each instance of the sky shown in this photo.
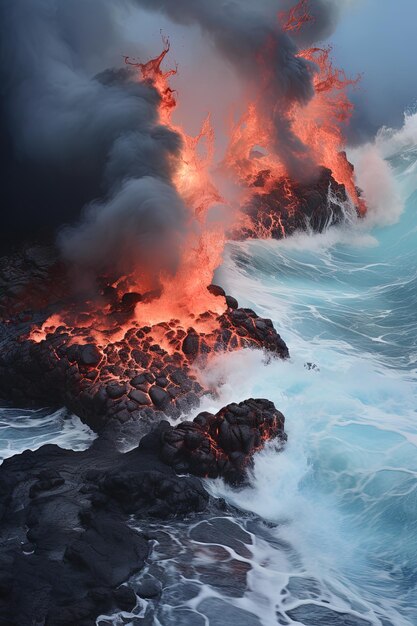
(378, 38)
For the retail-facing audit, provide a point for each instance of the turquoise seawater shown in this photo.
(344, 491)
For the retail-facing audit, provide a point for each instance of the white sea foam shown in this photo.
(343, 493)
(25, 429)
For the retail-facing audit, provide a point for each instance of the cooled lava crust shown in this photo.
(144, 376)
(67, 545)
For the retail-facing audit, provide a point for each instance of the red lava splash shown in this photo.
(294, 19)
(319, 126)
(186, 294)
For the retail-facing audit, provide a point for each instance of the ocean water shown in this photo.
(327, 527)
(343, 494)
(29, 429)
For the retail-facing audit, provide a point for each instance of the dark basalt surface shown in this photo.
(67, 543)
(290, 206)
(67, 546)
(221, 444)
(29, 274)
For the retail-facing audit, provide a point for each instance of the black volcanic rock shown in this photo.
(139, 396)
(122, 376)
(28, 279)
(129, 380)
(66, 548)
(90, 355)
(231, 302)
(64, 542)
(216, 290)
(289, 206)
(159, 396)
(219, 445)
(190, 345)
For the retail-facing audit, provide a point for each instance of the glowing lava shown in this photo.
(253, 158)
(296, 17)
(320, 123)
(253, 155)
(185, 295)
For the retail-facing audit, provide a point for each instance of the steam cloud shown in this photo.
(77, 138)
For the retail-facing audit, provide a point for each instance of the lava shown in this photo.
(180, 320)
(185, 293)
(319, 124)
(127, 371)
(296, 17)
(253, 155)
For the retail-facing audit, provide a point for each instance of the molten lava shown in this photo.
(319, 124)
(185, 294)
(163, 328)
(253, 155)
(296, 17)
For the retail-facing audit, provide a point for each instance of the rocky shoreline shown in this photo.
(67, 545)
(68, 548)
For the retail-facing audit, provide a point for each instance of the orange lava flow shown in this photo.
(320, 123)
(182, 298)
(185, 294)
(296, 17)
(253, 154)
(253, 159)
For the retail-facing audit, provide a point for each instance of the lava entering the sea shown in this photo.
(126, 348)
(276, 203)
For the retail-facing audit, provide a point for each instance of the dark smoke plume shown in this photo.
(74, 139)
(243, 32)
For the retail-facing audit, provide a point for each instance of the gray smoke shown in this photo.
(82, 140)
(76, 138)
(325, 17)
(242, 31)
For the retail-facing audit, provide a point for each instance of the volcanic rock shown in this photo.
(28, 279)
(80, 547)
(90, 355)
(290, 206)
(116, 378)
(125, 598)
(216, 290)
(65, 543)
(221, 444)
(190, 345)
(115, 391)
(130, 299)
(108, 385)
(149, 588)
(139, 396)
(231, 302)
(159, 396)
